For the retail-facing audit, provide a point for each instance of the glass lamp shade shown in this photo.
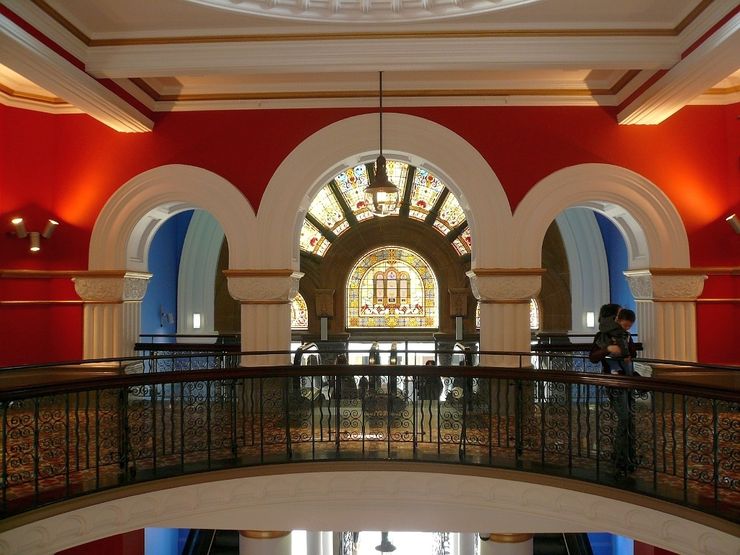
(381, 195)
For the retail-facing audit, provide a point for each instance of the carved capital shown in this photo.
(111, 287)
(263, 286)
(662, 285)
(505, 285)
(325, 303)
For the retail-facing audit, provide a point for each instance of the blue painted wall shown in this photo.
(162, 541)
(603, 543)
(616, 257)
(164, 264)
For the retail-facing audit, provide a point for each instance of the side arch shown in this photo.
(646, 217)
(126, 225)
(355, 140)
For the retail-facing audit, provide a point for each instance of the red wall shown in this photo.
(67, 166)
(131, 543)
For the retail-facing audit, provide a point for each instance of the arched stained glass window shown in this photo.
(392, 287)
(534, 315)
(341, 204)
(298, 313)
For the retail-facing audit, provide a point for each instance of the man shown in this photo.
(614, 348)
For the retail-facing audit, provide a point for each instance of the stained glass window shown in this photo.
(298, 313)
(534, 315)
(312, 240)
(450, 215)
(326, 209)
(392, 287)
(425, 191)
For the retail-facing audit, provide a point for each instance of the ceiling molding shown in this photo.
(38, 103)
(708, 64)
(56, 29)
(26, 55)
(320, 56)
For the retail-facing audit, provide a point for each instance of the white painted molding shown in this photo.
(712, 61)
(708, 18)
(37, 106)
(196, 283)
(26, 55)
(128, 221)
(587, 264)
(368, 54)
(354, 140)
(648, 220)
(374, 500)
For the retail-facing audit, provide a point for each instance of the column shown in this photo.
(112, 311)
(504, 294)
(314, 543)
(466, 543)
(262, 542)
(507, 544)
(265, 297)
(666, 311)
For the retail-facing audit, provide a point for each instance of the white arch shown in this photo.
(393, 499)
(126, 225)
(355, 140)
(648, 220)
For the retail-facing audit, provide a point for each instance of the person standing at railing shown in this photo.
(614, 348)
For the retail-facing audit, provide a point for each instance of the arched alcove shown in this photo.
(648, 220)
(129, 219)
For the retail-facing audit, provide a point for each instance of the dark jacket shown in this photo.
(611, 333)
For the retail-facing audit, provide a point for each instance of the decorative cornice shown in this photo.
(666, 286)
(505, 285)
(131, 286)
(510, 538)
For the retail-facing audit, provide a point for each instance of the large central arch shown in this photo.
(355, 140)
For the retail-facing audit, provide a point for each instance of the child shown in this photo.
(613, 345)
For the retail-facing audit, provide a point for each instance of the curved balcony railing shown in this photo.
(673, 441)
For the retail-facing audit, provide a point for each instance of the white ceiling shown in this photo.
(243, 54)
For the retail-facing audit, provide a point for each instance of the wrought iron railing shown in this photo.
(673, 441)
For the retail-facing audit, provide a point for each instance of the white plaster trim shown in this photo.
(127, 223)
(587, 264)
(196, 283)
(358, 55)
(648, 220)
(353, 140)
(712, 61)
(36, 17)
(37, 106)
(716, 99)
(709, 17)
(374, 500)
(24, 54)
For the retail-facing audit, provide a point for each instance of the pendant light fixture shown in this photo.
(381, 195)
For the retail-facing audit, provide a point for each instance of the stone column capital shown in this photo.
(113, 286)
(263, 286)
(505, 285)
(666, 284)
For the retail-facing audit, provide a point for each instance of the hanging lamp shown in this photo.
(381, 195)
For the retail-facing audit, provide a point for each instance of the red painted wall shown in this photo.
(131, 543)
(645, 549)
(67, 166)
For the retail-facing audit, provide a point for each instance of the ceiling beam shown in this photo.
(28, 56)
(323, 54)
(711, 61)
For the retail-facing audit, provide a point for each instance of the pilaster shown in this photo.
(504, 294)
(666, 310)
(265, 297)
(112, 311)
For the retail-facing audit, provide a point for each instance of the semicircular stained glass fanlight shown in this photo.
(341, 204)
(392, 287)
(298, 313)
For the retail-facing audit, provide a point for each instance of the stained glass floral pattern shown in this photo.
(326, 209)
(425, 191)
(312, 240)
(352, 183)
(392, 287)
(298, 313)
(450, 215)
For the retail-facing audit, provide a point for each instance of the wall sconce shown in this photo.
(34, 236)
(734, 222)
(590, 319)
